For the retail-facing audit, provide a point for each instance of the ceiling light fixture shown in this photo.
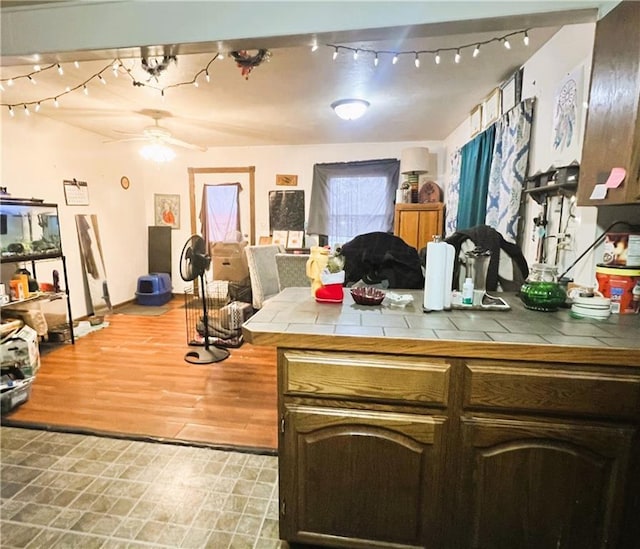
(157, 152)
(350, 109)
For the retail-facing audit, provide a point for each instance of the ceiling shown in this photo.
(286, 99)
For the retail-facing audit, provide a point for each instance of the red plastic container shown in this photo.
(622, 286)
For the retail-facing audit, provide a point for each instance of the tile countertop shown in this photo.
(294, 319)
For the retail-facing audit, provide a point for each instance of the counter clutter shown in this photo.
(456, 428)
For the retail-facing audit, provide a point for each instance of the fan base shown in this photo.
(206, 356)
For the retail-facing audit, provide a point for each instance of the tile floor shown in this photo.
(69, 490)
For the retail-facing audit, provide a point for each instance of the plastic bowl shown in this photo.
(367, 296)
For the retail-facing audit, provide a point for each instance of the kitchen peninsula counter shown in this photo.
(454, 429)
(294, 319)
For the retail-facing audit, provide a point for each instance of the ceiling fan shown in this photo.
(157, 135)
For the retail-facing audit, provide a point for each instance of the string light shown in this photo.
(375, 61)
(36, 68)
(26, 111)
(504, 39)
(76, 64)
(60, 71)
(11, 111)
(417, 61)
(32, 80)
(114, 65)
(355, 55)
(314, 47)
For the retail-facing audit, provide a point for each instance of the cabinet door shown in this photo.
(542, 485)
(361, 478)
(416, 224)
(612, 134)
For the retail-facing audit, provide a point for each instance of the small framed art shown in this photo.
(167, 210)
(491, 108)
(280, 238)
(511, 91)
(475, 120)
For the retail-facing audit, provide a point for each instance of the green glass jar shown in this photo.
(541, 291)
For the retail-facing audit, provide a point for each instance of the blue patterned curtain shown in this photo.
(453, 192)
(475, 169)
(508, 169)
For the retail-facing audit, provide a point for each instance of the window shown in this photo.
(352, 198)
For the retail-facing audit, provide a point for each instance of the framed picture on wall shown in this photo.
(511, 91)
(475, 120)
(167, 210)
(491, 108)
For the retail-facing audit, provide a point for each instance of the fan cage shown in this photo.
(225, 317)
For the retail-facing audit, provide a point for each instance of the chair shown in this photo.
(263, 272)
(292, 270)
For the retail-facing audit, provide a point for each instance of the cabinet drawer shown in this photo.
(366, 377)
(533, 387)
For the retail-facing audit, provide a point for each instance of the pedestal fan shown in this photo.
(194, 261)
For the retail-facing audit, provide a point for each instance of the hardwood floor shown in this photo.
(131, 378)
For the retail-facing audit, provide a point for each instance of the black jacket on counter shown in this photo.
(382, 258)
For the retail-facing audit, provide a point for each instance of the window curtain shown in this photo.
(452, 195)
(475, 169)
(508, 169)
(220, 213)
(331, 180)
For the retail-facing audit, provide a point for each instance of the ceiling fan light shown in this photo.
(350, 109)
(157, 152)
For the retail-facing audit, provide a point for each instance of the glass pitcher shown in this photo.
(541, 291)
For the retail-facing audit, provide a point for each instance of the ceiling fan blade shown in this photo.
(126, 139)
(178, 143)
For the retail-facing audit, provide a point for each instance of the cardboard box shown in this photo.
(229, 261)
(21, 350)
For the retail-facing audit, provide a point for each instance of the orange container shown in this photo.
(622, 286)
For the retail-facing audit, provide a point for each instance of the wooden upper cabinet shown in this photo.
(612, 133)
(416, 224)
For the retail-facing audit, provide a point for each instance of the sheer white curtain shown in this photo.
(220, 213)
(352, 198)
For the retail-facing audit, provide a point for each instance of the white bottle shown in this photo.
(467, 292)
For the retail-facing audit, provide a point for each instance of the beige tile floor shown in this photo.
(69, 490)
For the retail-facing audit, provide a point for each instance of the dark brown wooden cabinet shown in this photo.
(393, 450)
(612, 133)
(536, 484)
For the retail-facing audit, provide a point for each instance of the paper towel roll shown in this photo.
(435, 270)
(438, 277)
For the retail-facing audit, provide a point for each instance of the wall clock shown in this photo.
(124, 182)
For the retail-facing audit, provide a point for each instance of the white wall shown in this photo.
(568, 50)
(38, 154)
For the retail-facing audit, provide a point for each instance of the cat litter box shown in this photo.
(153, 289)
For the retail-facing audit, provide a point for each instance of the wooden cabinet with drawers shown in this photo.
(417, 224)
(392, 450)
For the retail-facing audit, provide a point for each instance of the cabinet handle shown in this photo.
(283, 508)
(282, 424)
